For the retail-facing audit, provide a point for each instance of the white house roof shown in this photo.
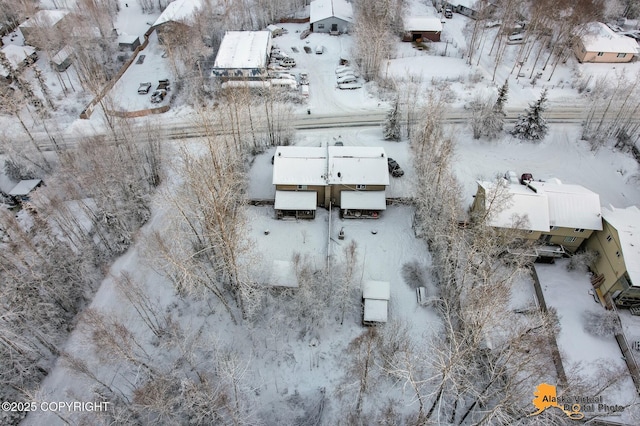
(627, 223)
(598, 37)
(297, 165)
(323, 9)
(520, 203)
(358, 165)
(363, 200)
(380, 290)
(127, 39)
(423, 23)
(179, 11)
(571, 206)
(243, 49)
(24, 187)
(295, 200)
(45, 18)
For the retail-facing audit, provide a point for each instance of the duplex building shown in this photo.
(353, 178)
(617, 267)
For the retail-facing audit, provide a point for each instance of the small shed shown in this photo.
(63, 59)
(275, 30)
(375, 297)
(128, 42)
(283, 274)
(22, 190)
(422, 28)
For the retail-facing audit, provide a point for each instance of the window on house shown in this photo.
(361, 186)
(621, 55)
(320, 26)
(578, 230)
(529, 231)
(617, 254)
(600, 53)
(609, 238)
(302, 186)
(553, 228)
(570, 239)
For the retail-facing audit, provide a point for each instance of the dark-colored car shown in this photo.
(158, 96)
(394, 167)
(448, 13)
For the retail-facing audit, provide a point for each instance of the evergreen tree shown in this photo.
(392, 125)
(494, 120)
(532, 125)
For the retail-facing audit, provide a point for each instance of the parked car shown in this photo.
(347, 79)
(515, 39)
(288, 62)
(144, 88)
(163, 85)
(339, 143)
(158, 96)
(448, 13)
(319, 49)
(394, 167)
(526, 178)
(141, 59)
(277, 54)
(343, 68)
(349, 86)
(304, 90)
(304, 78)
(346, 74)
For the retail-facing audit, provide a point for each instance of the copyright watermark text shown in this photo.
(57, 406)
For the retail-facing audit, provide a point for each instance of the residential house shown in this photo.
(551, 212)
(330, 16)
(617, 268)
(422, 28)
(176, 18)
(43, 27)
(299, 175)
(243, 55)
(358, 176)
(599, 43)
(18, 57)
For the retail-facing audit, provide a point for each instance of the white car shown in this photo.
(346, 74)
(349, 86)
(319, 49)
(343, 68)
(347, 79)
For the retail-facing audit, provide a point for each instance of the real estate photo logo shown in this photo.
(574, 406)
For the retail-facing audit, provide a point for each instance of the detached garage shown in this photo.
(422, 28)
(375, 296)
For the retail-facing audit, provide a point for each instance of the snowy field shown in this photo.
(286, 365)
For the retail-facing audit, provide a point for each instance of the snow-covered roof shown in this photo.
(627, 223)
(283, 274)
(372, 289)
(179, 11)
(375, 310)
(520, 202)
(16, 54)
(423, 23)
(62, 55)
(571, 206)
(243, 49)
(295, 200)
(24, 187)
(358, 165)
(298, 165)
(127, 39)
(363, 200)
(45, 18)
(598, 37)
(323, 9)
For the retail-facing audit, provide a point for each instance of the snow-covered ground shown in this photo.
(584, 354)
